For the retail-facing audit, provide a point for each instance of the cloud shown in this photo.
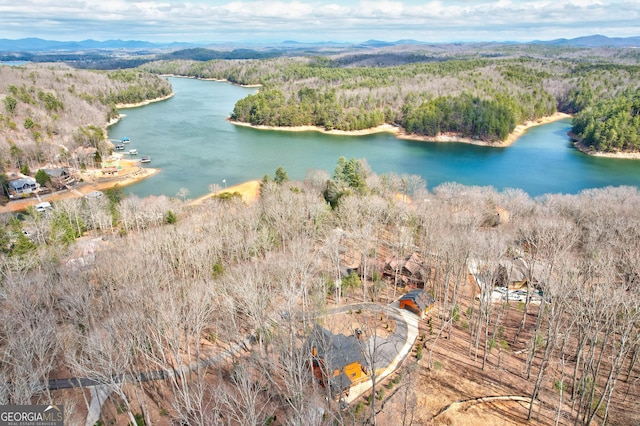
(316, 20)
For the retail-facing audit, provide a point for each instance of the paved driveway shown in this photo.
(386, 354)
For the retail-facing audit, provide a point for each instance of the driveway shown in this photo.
(386, 354)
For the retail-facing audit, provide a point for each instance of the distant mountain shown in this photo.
(377, 43)
(202, 54)
(37, 44)
(594, 41)
(409, 41)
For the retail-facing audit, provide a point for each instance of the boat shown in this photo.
(119, 147)
(133, 152)
(145, 159)
(125, 140)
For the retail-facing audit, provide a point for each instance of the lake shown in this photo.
(193, 145)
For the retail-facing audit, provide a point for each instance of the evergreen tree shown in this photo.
(280, 176)
(42, 177)
(332, 194)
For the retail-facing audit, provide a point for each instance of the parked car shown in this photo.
(43, 207)
(94, 195)
(517, 296)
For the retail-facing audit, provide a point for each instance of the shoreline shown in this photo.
(128, 106)
(135, 173)
(143, 103)
(400, 133)
(580, 146)
(383, 128)
(249, 191)
(219, 80)
(517, 132)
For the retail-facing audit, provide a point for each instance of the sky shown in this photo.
(223, 21)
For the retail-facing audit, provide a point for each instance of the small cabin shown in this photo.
(110, 171)
(417, 301)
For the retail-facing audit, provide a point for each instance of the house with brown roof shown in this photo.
(412, 270)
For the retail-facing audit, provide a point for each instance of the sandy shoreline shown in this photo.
(136, 105)
(249, 191)
(402, 134)
(521, 129)
(380, 129)
(143, 103)
(589, 151)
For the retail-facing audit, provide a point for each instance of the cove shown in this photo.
(193, 145)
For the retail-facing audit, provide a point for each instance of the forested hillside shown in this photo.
(56, 114)
(156, 284)
(479, 93)
(611, 125)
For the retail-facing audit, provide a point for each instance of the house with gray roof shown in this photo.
(337, 360)
(417, 301)
(22, 187)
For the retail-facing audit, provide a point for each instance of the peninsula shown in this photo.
(401, 133)
(485, 95)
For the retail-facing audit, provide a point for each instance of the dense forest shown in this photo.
(155, 285)
(479, 93)
(611, 124)
(58, 115)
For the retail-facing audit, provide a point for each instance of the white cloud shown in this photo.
(434, 20)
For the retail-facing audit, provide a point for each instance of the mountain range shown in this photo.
(594, 41)
(40, 45)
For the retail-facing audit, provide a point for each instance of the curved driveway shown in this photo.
(385, 354)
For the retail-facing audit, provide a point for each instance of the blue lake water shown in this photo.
(189, 139)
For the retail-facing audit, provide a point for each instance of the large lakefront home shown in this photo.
(338, 360)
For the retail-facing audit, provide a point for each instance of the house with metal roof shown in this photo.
(60, 177)
(417, 301)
